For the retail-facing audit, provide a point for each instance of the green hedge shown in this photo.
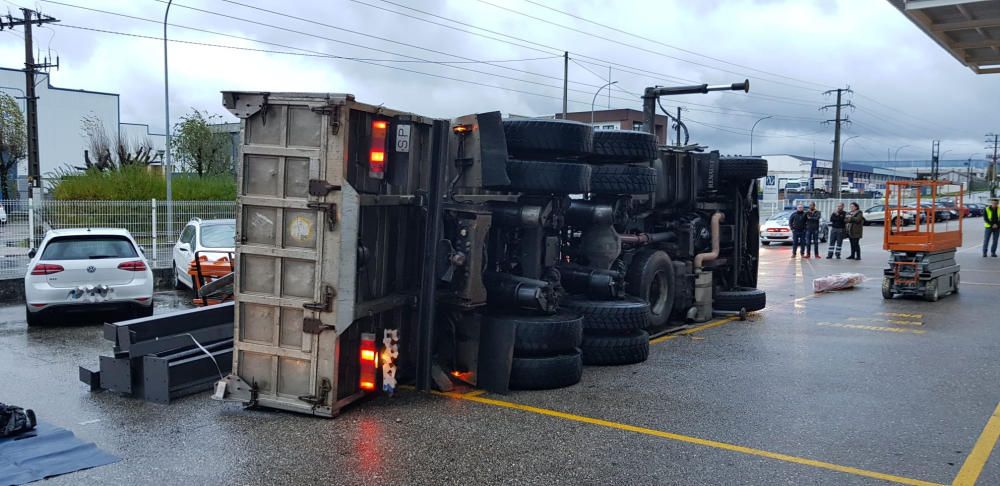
(137, 183)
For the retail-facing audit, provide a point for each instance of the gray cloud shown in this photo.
(908, 90)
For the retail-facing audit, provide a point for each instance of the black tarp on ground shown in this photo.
(45, 452)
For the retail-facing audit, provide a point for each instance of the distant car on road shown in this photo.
(3, 215)
(776, 230)
(211, 238)
(876, 214)
(88, 272)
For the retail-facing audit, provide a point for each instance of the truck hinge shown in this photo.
(326, 304)
(318, 400)
(320, 188)
(331, 213)
(334, 112)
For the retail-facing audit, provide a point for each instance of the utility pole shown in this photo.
(565, 82)
(838, 120)
(935, 159)
(677, 125)
(30, 17)
(993, 176)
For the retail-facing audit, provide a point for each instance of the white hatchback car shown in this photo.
(91, 272)
(209, 238)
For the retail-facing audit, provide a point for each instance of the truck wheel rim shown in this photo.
(658, 288)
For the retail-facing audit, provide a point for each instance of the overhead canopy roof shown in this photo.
(968, 29)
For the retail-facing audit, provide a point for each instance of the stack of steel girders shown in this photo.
(164, 357)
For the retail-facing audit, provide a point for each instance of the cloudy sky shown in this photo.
(451, 57)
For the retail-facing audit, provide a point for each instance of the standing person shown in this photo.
(838, 221)
(812, 230)
(797, 222)
(855, 226)
(992, 219)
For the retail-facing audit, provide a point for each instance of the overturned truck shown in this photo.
(378, 247)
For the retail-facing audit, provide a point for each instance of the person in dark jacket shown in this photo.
(812, 230)
(992, 219)
(838, 224)
(855, 228)
(797, 222)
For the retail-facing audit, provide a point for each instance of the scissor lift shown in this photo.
(922, 258)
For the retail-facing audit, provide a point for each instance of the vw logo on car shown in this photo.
(91, 269)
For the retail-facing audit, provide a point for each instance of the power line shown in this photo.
(633, 46)
(364, 34)
(447, 64)
(673, 46)
(548, 49)
(359, 60)
(271, 51)
(603, 63)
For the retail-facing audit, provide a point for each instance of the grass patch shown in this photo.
(137, 184)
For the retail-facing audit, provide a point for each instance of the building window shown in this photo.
(637, 126)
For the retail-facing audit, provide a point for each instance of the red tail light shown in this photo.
(369, 361)
(46, 269)
(133, 266)
(376, 156)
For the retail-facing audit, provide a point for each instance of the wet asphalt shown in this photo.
(902, 388)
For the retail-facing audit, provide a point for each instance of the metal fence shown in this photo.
(27, 222)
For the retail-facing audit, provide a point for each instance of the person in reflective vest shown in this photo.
(992, 219)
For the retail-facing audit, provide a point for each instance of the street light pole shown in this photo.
(842, 144)
(167, 167)
(895, 156)
(606, 85)
(751, 131)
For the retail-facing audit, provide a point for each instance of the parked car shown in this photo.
(88, 272)
(209, 238)
(876, 214)
(954, 208)
(3, 215)
(776, 230)
(941, 213)
(975, 209)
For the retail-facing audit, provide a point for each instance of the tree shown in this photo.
(111, 152)
(201, 148)
(13, 141)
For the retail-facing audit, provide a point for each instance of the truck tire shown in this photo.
(537, 177)
(741, 168)
(548, 139)
(546, 372)
(623, 349)
(622, 147)
(609, 315)
(622, 179)
(738, 299)
(650, 277)
(538, 334)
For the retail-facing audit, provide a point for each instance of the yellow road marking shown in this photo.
(690, 440)
(899, 314)
(693, 330)
(890, 321)
(474, 393)
(973, 465)
(870, 328)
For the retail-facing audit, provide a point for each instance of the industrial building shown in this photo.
(61, 140)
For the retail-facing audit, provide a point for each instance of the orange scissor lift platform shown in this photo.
(922, 258)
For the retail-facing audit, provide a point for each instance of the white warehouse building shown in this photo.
(61, 139)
